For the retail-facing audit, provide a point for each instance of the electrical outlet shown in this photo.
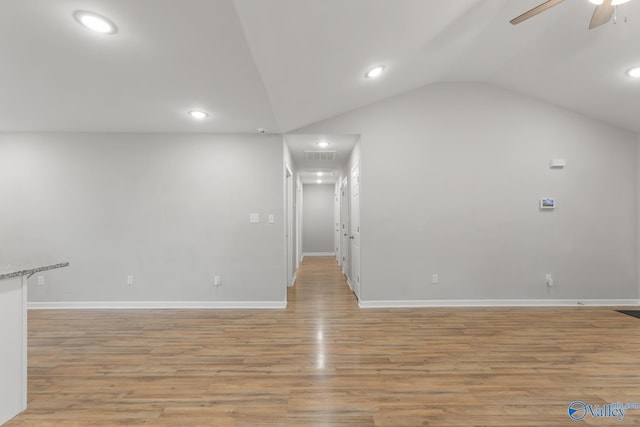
(129, 280)
(548, 279)
(217, 281)
(40, 280)
(435, 279)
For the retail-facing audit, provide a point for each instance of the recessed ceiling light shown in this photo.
(319, 174)
(95, 22)
(198, 114)
(375, 72)
(319, 181)
(634, 72)
(323, 144)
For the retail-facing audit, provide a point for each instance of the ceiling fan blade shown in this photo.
(602, 14)
(536, 10)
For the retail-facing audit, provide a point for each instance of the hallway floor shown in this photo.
(325, 362)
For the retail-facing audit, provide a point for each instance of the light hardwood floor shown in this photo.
(324, 362)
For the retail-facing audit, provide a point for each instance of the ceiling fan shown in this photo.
(603, 13)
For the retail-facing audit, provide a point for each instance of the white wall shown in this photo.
(13, 351)
(317, 211)
(172, 210)
(451, 179)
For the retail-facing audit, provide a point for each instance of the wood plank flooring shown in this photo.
(324, 362)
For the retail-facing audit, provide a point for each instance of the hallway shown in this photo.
(324, 362)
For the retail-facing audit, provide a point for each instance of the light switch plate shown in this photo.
(272, 218)
(547, 203)
(254, 218)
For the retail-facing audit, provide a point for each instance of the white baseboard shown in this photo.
(501, 303)
(318, 254)
(114, 305)
(293, 279)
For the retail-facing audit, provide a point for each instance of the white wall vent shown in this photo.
(319, 156)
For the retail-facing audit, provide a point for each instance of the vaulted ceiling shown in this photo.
(283, 64)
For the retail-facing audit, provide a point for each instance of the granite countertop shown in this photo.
(9, 271)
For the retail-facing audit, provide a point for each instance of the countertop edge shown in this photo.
(29, 271)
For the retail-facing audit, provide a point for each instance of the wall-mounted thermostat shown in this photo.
(547, 203)
(558, 163)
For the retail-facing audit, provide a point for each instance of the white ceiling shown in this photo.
(283, 64)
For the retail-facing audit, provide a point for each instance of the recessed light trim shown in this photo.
(95, 22)
(197, 114)
(319, 173)
(323, 144)
(375, 72)
(634, 72)
(319, 181)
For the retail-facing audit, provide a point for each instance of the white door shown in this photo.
(344, 227)
(355, 230)
(298, 216)
(336, 222)
(289, 233)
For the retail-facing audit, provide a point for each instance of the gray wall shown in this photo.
(172, 210)
(451, 179)
(317, 223)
